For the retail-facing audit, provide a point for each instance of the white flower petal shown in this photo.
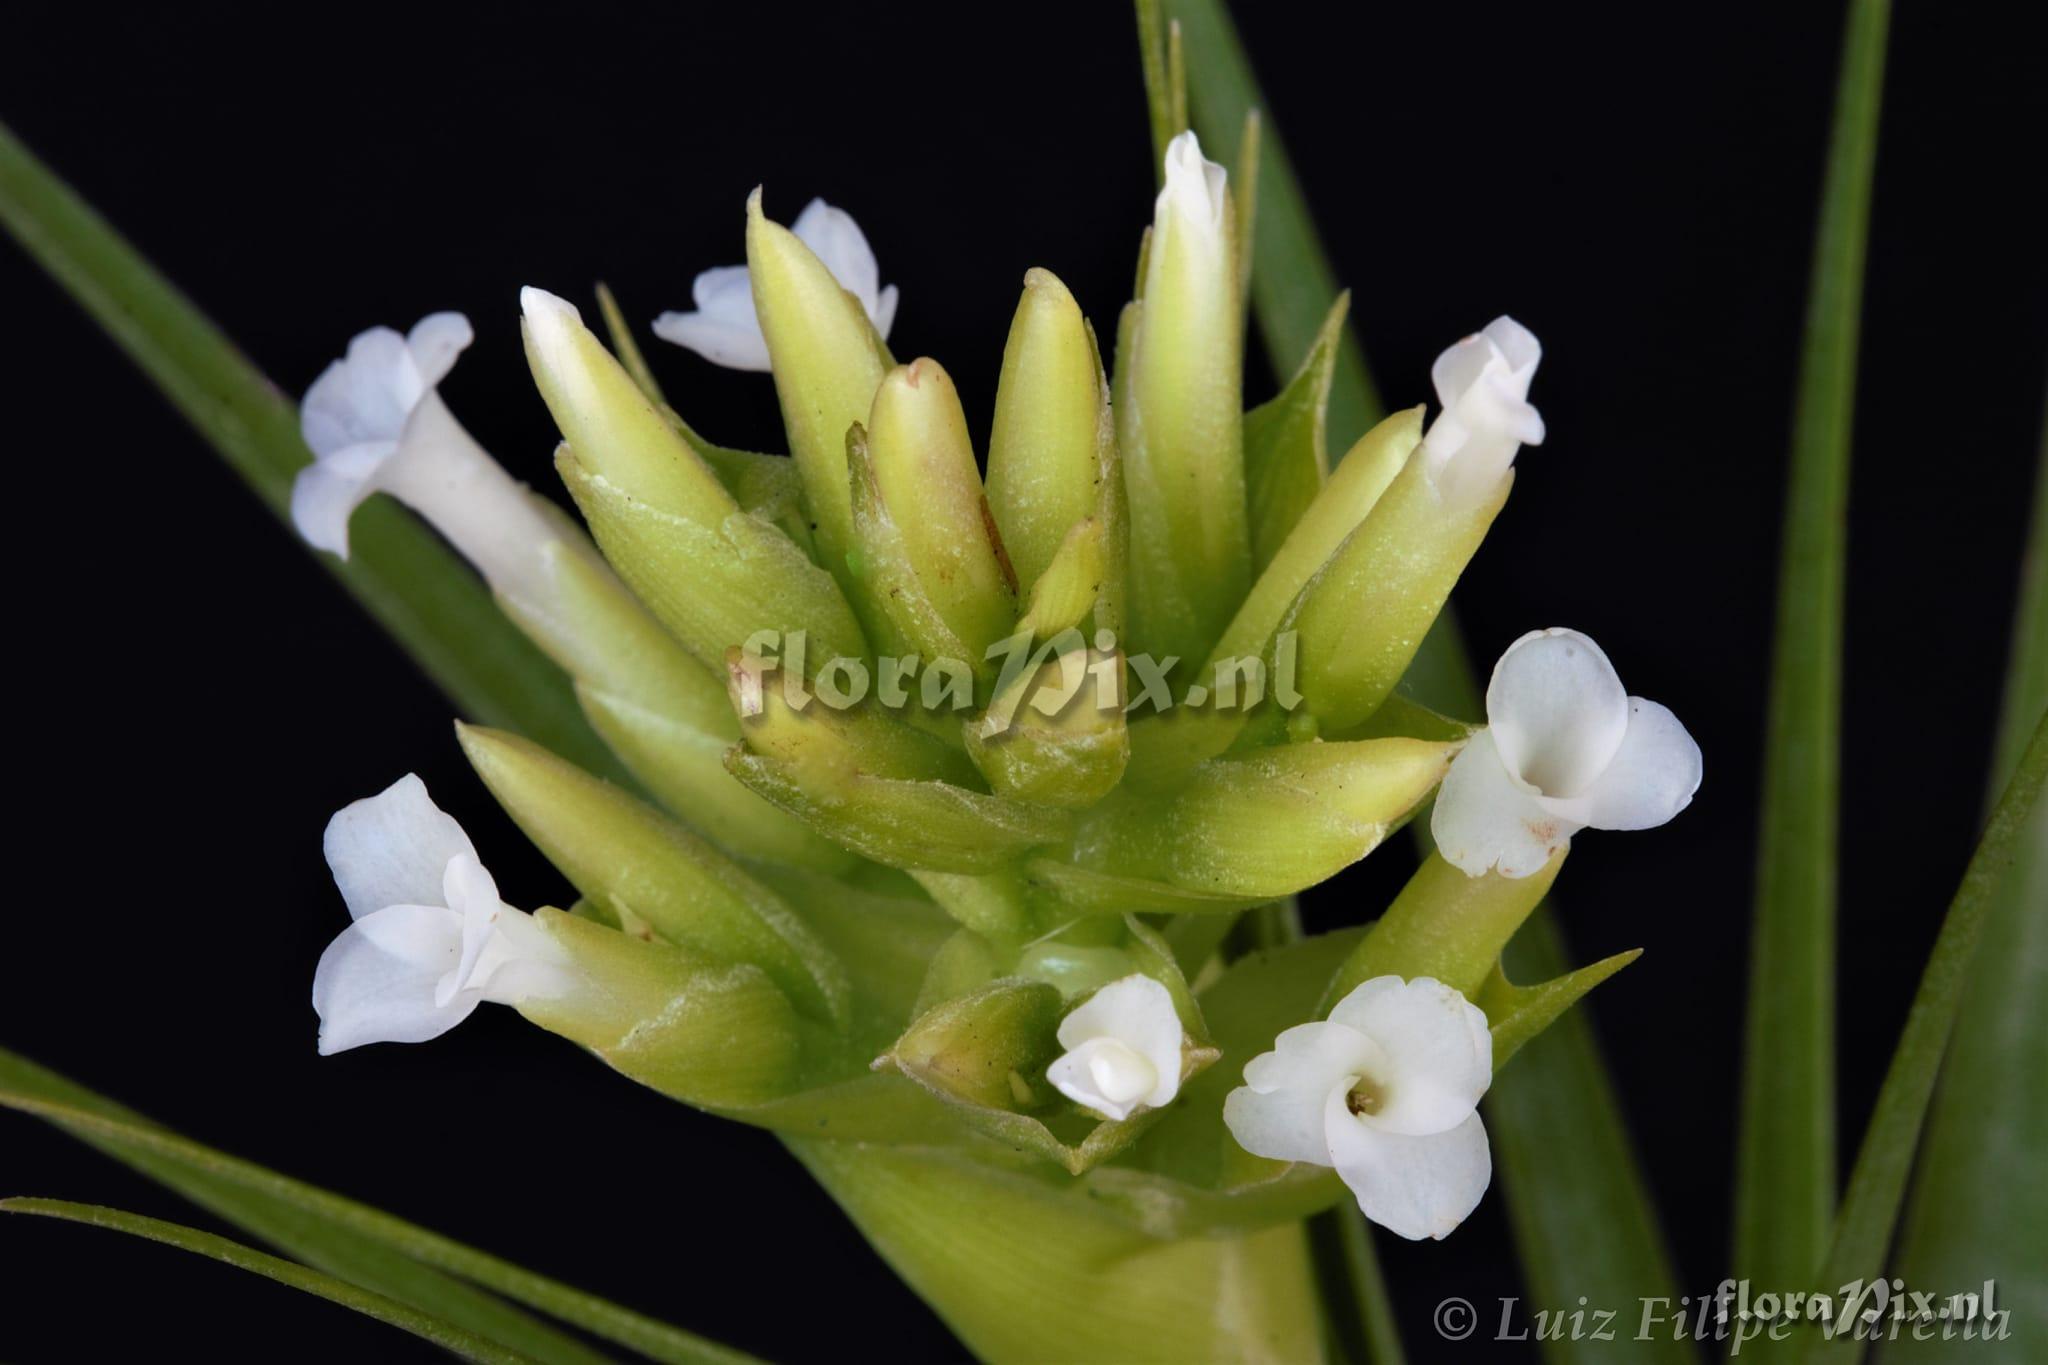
(838, 241)
(1414, 1187)
(1482, 381)
(725, 329)
(885, 312)
(435, 341)
(1196, 190)
(382, 382)
(1518, 348)
(1438, 1052)
(1483, 820)
(327, 492)
(1557, 711)
(468, 890)
(1652, 777)
(1286, 1125)
(722, 343)
(393, 848)
(1313, 1057)
(1136, 1012)
(376, 981)
(1105, 1075)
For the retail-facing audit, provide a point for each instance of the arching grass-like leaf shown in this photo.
(1979, 1198)
(319, 1220)
(285, 1272)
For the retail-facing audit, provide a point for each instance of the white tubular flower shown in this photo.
(1194, 203)
(1565, 748)
(376, 423)
(724, 328)
(1123, 1049)
(1483, 384)
(431, 940)
(1387, 1092)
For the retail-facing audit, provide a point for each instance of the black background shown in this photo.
(192, 696)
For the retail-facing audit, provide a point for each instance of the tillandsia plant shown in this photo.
(961, 783)
(951, 801)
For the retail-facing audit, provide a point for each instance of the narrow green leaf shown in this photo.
(1877, 1182)
(1165, 106)
(140, 1142)
(437, 610)
(273, 1268)
(337, 1250)
(1785, 1177)
(1980, 1198)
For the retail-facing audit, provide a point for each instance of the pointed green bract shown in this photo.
(901, 615)
(928, 825)
(923, 460)
(828, 363)
(781, 719)
(631, 858)
(706, 1032)
(1359, 623)
(1268, 824)
(1062, 597)
(989, 1048)
(995, 905)
(1519, 1013)
(1180, 432)
(1335, 510)
(683, 767)
(712, 584)
(1042, 469)
(1073, 757)
(611, 424)
(1286, 456)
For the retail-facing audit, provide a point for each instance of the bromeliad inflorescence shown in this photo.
(955, 787)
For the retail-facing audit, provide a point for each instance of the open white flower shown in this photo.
(1123, 1049)
(1565, 748)
(431, 940)
(1387, 1092)
(376, 424)
(724, 328)
(1483, 384)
